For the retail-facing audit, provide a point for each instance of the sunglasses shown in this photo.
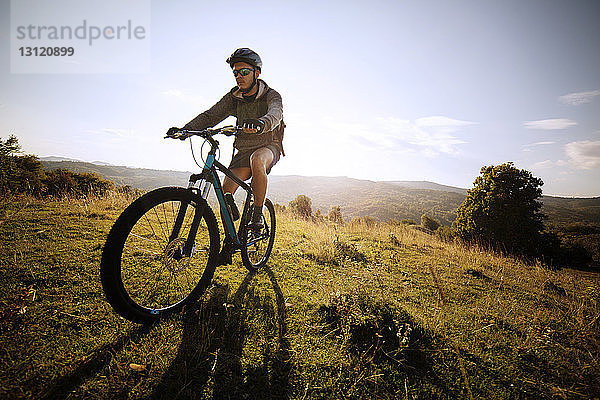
(242, 71)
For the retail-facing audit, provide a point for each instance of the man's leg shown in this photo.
(229, 186)
(259, 161)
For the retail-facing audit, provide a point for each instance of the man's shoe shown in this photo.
(224, 257)
(256, 228)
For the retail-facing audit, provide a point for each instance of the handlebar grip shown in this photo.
(178, 135)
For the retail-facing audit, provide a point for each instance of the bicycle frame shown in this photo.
(209, 177)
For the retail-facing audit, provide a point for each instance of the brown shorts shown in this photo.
(241, 158)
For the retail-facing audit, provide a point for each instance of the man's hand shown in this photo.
(253, 126)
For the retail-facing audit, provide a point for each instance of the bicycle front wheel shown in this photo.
(256, 247)
(160, 254)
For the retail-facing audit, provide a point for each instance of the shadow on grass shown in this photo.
(387, 342)
(384, 340)
(209, 358)
(90, 367)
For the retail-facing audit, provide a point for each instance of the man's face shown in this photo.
(244, 82)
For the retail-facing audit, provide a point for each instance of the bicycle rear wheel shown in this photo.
(147, 271)
(256, 249)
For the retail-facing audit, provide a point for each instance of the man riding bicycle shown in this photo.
(259, 110)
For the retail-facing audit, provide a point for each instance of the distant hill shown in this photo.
(428, 185)
(136, 177)
(55, 158)
(380, 200)
(564, 211)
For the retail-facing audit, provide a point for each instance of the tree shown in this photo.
(429, 223)
(9, 148)
(302, 206)
(28, 176)
(318, 217)
(503, 210)
(335, 215)
(19, 173)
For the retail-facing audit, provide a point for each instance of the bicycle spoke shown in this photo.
(159, 224)
(145, 239)
(159, 275)
(150, 225)
(257, 246)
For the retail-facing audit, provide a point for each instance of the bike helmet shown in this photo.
(246, 55)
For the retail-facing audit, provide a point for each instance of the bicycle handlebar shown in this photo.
(205, 133)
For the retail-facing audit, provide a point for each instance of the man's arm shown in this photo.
(274, 113)
(211, 117)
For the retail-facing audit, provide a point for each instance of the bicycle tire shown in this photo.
(256, 254)
(144, 274)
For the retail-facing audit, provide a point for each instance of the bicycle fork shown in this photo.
(188, 247)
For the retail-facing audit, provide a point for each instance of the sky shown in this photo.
(378, 90)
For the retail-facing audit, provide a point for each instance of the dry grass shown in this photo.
(354, 311)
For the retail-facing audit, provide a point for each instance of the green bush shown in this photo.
(61, 182)
(318, 217)
(365, 221)
(28, 176)
(279, 208)
(335, 215)
(301, 206)
(19, 173)
(503, 211)
(558, 253)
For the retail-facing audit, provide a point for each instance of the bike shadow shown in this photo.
(210, 356)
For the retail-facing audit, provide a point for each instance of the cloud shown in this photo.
(428, 137)
(432, 135)
(584, 154)
(550, 124)
(579, 98)
(546, 164)
(112, 132)
(542, 143)
(529, 147)
(546, 143)
(443, 123)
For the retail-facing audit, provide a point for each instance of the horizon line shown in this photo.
(105, 164)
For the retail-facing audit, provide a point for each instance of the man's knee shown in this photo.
(257, 163)
(260, 159)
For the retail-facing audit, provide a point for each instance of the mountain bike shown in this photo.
(162, 251)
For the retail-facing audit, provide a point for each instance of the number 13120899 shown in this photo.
(46, 51)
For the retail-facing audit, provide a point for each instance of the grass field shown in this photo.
(353, 311)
